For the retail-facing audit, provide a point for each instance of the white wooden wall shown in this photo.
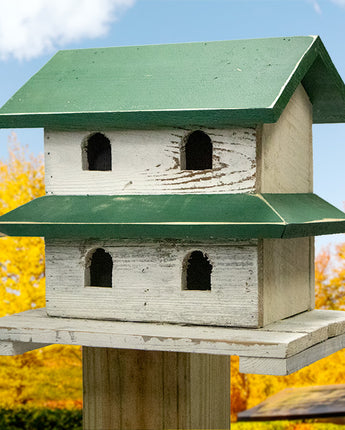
(147, 284)
(285, 165)
(148, 162)
(274, 158)
(285, 149)
(286, 281)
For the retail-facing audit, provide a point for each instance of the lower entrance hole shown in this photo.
(99, 269)
(197, 270)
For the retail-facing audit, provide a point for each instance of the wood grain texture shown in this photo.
(285, 153)
(149, 162)
(285, 165)
(131, 389)
(273, 366)
(321, 326)
(147, 284)
(282, 339)
(286, 280)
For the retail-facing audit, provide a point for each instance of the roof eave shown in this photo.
(205, 217)
(220, 118)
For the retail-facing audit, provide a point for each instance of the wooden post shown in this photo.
(132, 389)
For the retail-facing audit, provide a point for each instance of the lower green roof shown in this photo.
(177, 217)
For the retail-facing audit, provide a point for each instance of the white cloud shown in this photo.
(29, 28)
(339, 2)
(316, 6)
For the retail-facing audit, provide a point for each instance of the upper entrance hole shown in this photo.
(197, 152)
(97, 153)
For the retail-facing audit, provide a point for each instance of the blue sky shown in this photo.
(31, 32)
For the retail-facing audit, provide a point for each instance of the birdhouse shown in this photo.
(179, 179)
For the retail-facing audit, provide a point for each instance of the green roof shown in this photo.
(243, 82)
(167, 217)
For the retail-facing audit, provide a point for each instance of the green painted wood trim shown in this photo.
(209, 217)
(322, 83)
(211, 84)
(140, 120)
(307, 214)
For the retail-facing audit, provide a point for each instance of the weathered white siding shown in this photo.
(147, 284)
(252, 285)
(149, 162)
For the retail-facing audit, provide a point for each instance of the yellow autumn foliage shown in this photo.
(330, 279)
(21, 259)
(38, 377)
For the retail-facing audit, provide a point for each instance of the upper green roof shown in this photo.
(190, 84)
(215, 217)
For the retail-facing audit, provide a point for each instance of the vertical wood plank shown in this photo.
(287, 276)
(131, 389)
(210, 391)
(285, 165)
(285, 149)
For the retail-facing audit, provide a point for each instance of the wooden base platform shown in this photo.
(280, 348)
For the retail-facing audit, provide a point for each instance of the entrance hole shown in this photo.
(197, 152)
(100, 269)
(97, 153)
(197, 272)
